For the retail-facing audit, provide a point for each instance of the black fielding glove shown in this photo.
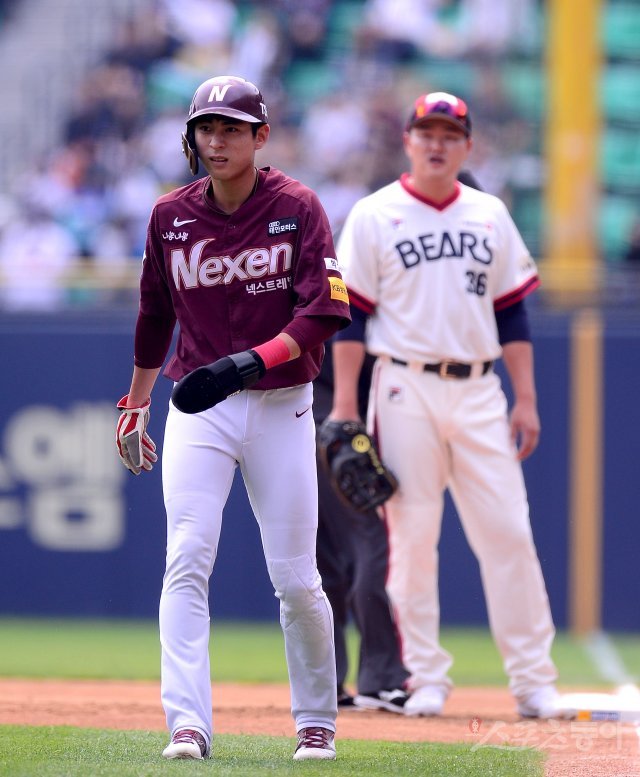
(353, 465)
(207, 386)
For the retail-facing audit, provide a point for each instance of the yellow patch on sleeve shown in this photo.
(338, 289)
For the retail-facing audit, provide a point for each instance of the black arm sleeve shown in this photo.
(513, 323)
(356, 329)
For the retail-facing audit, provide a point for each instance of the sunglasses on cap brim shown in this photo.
(457, 111)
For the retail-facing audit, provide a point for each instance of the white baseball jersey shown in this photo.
(431, 276)
(405, 260)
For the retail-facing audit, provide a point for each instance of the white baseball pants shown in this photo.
(437, 434)
(276, 452)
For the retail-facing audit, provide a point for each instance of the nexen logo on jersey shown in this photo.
(444, 246)
(201, 270)
(283, 225)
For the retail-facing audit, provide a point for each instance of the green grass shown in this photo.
(628, 648)
(246, 652)
(73, 752)
(85, 649)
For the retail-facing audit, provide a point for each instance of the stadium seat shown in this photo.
(447, 75)
(528, 213)
(307, 81)
(617, 215)
(344, 18)
(621, 29)
(620, 93)
(525, 84)
(620, 159)
(169, 86)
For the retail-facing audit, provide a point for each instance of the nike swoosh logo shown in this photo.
(177, 223)
(302, 413)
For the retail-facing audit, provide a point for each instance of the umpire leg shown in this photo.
(380, 664)
(334, 556)
(353, 560)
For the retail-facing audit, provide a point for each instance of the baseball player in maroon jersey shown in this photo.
(439, 273)
(243, 261)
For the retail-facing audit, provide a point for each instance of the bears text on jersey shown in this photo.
(432, 246)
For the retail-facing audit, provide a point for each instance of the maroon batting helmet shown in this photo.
(222, 96)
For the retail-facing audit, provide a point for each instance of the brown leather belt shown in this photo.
(457, 370)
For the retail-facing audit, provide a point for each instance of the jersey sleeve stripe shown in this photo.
(360, 302)
(517, 294)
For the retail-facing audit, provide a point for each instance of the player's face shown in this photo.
(437, 150)
(227, 147)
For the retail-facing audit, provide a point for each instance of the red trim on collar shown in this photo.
(404, 181)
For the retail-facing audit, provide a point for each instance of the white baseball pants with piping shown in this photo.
(439, 433)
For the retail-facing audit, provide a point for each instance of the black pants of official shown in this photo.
(352, 551)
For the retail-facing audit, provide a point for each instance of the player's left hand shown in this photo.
(525, 428)
(207, 386)
(136, 449)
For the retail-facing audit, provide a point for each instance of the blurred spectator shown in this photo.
(332, 131)
(501, 136)
(402, 30)
(112, 102)
(200, 23)
(35, 255)
(284, 152)
(259, 51)
(385, 110)
(339, 192)
(130, 201)
(70, 190)
(144, 40)
(161, 149)
(121, 142)
(304, 24)
(490, 28)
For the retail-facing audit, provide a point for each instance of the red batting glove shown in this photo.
(136, 449)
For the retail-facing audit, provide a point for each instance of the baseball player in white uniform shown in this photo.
(437, 275)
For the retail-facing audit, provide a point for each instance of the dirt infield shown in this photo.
(476, 716)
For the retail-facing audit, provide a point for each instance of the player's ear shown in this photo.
(262, 135)
(405, 139)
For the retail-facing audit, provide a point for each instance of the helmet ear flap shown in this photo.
(188, 144)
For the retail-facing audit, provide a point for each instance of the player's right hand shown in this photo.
(136, 449)
(207, 386)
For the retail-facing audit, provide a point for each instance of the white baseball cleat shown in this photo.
(315, 742)
(428, 700)
(186, 743)
(544, 702)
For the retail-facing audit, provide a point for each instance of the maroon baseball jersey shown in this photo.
(233, 281)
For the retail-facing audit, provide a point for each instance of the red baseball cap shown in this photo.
(442, 106)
